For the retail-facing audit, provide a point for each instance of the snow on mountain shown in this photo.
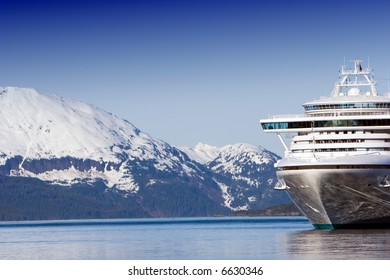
(245, 174)
(37, 125)
(232, 158)
(202, 153)
(66, 141)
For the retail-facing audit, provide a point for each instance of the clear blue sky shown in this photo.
(193, 70)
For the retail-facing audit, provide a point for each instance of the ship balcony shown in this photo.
(316, 154)
(334, 113)
(318, 146)
(350, 112)
(344, 136)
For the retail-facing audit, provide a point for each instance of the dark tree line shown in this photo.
(24, 198)
(31, 199)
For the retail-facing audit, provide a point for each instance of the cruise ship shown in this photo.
(337, 167)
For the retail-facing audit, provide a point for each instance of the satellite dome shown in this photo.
(354, 91)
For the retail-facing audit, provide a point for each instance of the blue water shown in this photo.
(190, 238)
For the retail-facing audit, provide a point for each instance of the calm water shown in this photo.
(197, 238)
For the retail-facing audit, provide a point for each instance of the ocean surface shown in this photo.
(265, 238)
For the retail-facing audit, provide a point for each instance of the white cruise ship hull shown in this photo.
(336, 197)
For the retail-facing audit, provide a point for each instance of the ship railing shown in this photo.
(354, 83)
(324, 155)
(351, 113)
(288, 116)
(331, 114)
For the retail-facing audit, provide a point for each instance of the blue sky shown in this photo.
(191, 71)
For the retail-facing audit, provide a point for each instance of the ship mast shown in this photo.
(352, 80)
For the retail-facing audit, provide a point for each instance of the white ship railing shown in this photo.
(288, 116)
(329, 114)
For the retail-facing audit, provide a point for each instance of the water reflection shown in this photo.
(339, 244)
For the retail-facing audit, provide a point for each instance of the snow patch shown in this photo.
(228, 198)
(72, 176)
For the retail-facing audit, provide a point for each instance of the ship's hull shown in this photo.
(341, 198)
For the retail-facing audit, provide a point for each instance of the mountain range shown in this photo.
(62, 158)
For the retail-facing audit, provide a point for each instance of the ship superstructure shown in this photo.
(337, 166)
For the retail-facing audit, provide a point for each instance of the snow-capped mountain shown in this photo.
(202, 153)
(232, 159)
(245, 173)
(91, 142)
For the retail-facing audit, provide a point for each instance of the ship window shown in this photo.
(329, 123)
(349, 123)
(275, 125)
(347, 106)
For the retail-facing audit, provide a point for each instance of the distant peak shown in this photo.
(202, 146)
